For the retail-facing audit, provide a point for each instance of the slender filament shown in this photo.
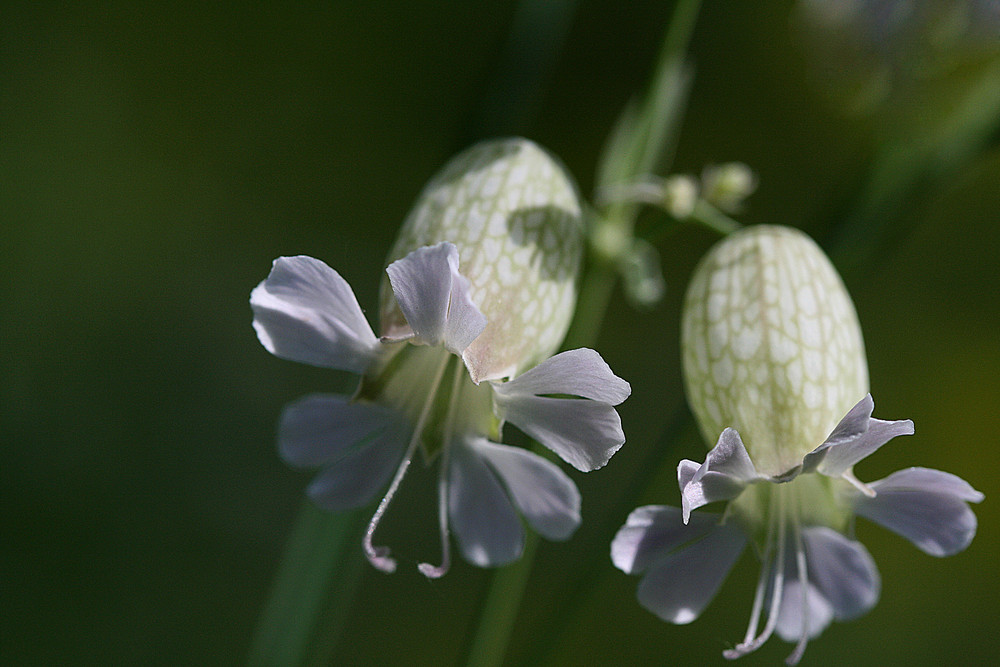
(428, 570)
(777, 582)
(379, 556)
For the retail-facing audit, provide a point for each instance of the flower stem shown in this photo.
(302, 587)
(499, 611)
(637, 154)
(708, 216)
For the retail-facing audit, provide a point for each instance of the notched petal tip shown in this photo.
(727, 470)
(581, 372)
(434, 297)
(856, 436)
(928, 507)
(583, 432)
(305, 311)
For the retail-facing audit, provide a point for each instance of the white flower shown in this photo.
(772, 348)
(455, 362)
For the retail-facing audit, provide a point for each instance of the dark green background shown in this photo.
(155, 158)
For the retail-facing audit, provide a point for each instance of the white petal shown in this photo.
(544, 494)
(488, 529)
(304, 311)
(320, 428)
(354, 480)
(654, 531)
(842, 570)
(724, 474)
(580, 372)
(854, 423)
(434, 297)
(927, 507)
(686, 471)
(584, 433)
(679, 586)
(817, 612)
(854, 438)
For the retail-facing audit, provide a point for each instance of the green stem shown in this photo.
(319, 542)
(637, 154)
(499, 612)
(708, 216)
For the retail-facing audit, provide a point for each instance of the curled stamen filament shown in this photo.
(379, 556)
(428, 570)
(803, 577)
(774, 566)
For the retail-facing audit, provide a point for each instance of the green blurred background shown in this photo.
(154, 159)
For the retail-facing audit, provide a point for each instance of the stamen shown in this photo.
(858, 484)
(426, 569)
(777, 586)
(762, 578)
(803, 575)
(379, 556)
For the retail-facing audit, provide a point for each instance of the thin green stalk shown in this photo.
(708, 216)
(562, 615)
(319, 542)
(499, 612)
(636, 147)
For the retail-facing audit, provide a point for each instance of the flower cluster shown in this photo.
(772, 357)
(479, 294)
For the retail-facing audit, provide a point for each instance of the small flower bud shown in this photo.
(727, 185)
(680, 194)
(514, 214)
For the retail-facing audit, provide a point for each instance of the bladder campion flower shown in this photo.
(478, 294)
(773, 358)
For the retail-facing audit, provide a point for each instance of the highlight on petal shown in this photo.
(686, 470)
(305, 311)
(653, 531)
(488, 529)
(928, 507)
(320, 428)
(680, 583)
(434, 297)
(724, 474)
(842, 571)
(584, 433)
(855, 437)
(354, 480)
(581, 372)
(544, 494)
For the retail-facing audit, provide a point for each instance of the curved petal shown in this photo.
(854, 438)
(580, 372)
(304, 311)
(724, 474)
(434, 297)
(927, 507)
(686, 471)
(354, 480)
(817, 613)
(854, 423)
(487, 527)
(319, 428)
(842, 571)
(544, 494)
(584, 433)
(654, 531)
(679, 586)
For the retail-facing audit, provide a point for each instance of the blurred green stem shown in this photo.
(302, 589)
(639, 143)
